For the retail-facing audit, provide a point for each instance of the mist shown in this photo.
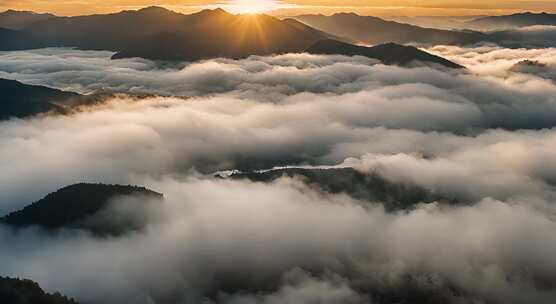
(243, 240)
(483, 137)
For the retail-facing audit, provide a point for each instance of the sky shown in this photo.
(291, 7)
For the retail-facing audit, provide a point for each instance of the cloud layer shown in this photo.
(240, 241)
(484, 137)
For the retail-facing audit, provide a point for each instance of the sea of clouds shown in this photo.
(483, 136)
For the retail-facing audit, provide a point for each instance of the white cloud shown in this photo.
(453, 133)
(227, 236)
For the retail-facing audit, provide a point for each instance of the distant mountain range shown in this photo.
(17, 20)
(17, 291)
(512, 21)
(216, 33)
(22, 100)
(373, 30)
(436, 22)
(529, 37)
(75, 206)
(158, 33)
(389, 53)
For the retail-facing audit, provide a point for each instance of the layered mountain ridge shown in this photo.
(159, 34)
(514, 20)
(16, 20)
(374, 30)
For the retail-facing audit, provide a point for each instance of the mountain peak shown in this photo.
(219, 10)
(346, 14)
(216, 11)
(154, 9)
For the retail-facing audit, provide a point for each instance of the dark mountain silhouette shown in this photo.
(17, 291)
(512, 21)
(77, 205)
(12, 40)
(17, 20)
(22, 100)
(368, 187)
(373, 30)
(525, 38)
(220, 34)
(105, 32)
(158, 33)
(389, 53)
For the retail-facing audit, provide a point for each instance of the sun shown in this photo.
(252, 6)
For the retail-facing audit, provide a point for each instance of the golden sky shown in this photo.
(290, 7)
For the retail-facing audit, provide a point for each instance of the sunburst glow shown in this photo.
(251, 6)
